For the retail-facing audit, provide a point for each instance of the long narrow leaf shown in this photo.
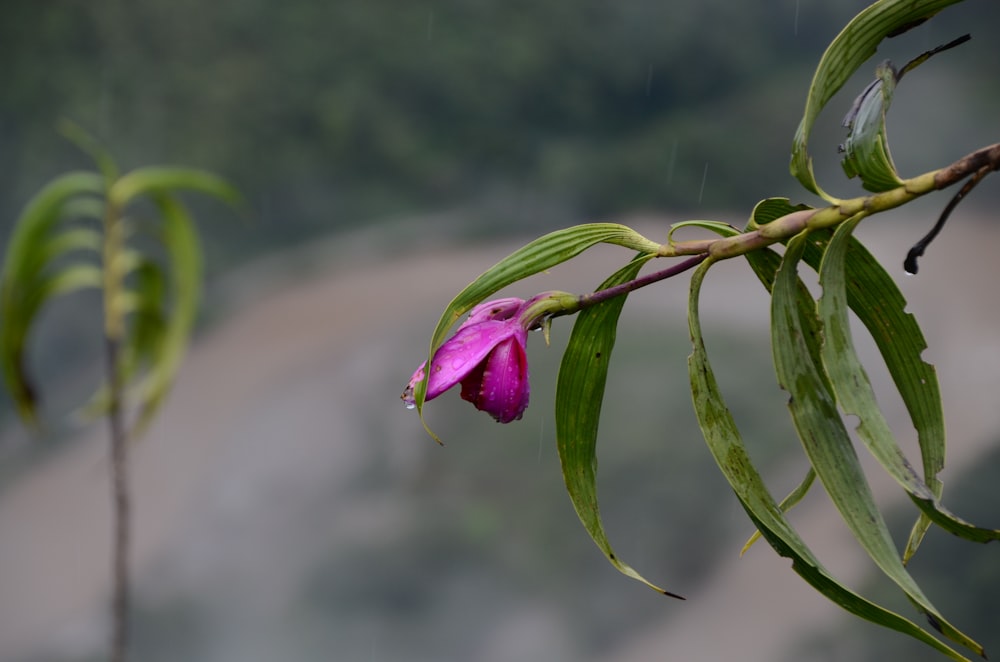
(24, 283)
(33, 228)
(185, 268)
(874, 297)
(791, 500)
(726, 445)
(86, 143)
(155, 180)
(579, 393)
(853, 389)
(69, 241)
(827, 443)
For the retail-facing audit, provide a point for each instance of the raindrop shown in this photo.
(409, 404)
(704, 177)
(672, 162)
(430, 25)
(795, 24)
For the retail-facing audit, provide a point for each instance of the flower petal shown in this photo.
(461, 353)
(499, 385)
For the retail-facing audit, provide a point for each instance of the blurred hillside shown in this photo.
(524, 115)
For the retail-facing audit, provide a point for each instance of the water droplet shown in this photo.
(410, 405)
(704, 178)
(672, 162)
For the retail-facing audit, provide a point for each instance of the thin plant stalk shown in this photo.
(121, 508)
(114, 235)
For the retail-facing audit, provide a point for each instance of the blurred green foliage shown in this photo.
(331, 114)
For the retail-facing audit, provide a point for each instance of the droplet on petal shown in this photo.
(487, 357)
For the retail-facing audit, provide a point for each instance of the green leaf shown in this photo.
(69, 241)
(855, 44)
(156, 180)
(537, 256)
(86, 143)
(81, 207)
(850, 381)
(790, 501)
(771, 209)
(827, 442)
(25, 285)
(185, 271)
(727, 447)
(579, 394)
(32, 230)
(718, 227)
(70, 278)
(876, 300)
(866, 149)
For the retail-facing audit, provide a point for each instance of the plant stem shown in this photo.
(983, 160)
(121, 508)
(114, 238)
(597, 297)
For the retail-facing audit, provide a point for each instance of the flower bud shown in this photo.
(487, 355)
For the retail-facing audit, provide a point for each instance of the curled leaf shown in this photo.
(855, 44)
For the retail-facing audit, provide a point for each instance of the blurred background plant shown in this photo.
(83, 231)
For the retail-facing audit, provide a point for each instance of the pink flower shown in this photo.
(487, 357)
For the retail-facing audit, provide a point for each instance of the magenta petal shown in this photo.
(499, 386)
(408, 397)
(461, 353)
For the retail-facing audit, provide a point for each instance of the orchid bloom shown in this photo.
(487, 357)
